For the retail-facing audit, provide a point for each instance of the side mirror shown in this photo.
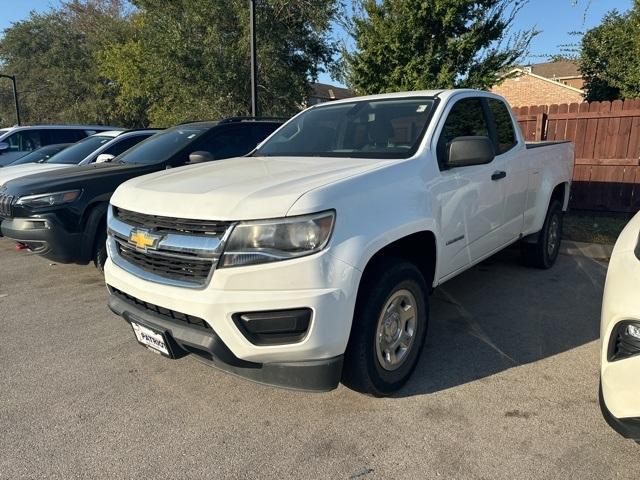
(3, 147)
(467, 151)
(200, 156)
(104, 158)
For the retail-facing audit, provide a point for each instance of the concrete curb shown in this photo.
(596, 251)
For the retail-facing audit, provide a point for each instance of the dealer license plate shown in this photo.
(151, 339)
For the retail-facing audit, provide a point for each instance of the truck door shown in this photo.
(472, 213)
(513, 157)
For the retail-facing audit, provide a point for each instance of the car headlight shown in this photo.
(264, 241)
(49, 199)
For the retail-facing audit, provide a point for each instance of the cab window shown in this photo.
(24, 141)
(62, 135)
(125, 144)
(230, 142)
(505, 132)
(466, 119)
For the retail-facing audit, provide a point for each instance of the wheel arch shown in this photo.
(94, 215)
(419, 248)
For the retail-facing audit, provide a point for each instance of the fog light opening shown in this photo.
(633, 331)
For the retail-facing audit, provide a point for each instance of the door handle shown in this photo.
(498, 175)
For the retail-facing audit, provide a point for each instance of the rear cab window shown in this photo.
(505, 134)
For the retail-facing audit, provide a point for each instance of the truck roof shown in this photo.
(442, 93)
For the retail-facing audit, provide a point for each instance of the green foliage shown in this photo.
(189, 59)
(162, 62)
(610, 56)
(53, 56)
(422, 44)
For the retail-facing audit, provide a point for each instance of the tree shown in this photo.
(422, 44)
(189, 59)
(610, 56)
(53, 56)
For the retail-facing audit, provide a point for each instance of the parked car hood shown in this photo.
(11, 172)
(235, 189)
(102, 176)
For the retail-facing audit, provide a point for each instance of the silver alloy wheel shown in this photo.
(395, 333)
(553, 239)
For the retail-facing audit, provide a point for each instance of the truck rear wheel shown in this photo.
(389, 328)
(544, 251)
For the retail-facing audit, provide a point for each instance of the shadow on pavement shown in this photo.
(500, 314)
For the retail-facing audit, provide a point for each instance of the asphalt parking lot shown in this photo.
(506, 388)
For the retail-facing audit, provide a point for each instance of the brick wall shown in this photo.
(528, 90)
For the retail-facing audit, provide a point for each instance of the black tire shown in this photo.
(544, 252)
(100, 249)
(363, 370)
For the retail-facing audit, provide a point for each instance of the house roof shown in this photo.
(558, 69)
(523, 71)
(330, 92)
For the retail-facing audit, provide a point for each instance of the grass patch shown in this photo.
(594, 227)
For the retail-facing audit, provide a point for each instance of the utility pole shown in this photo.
(254, 66)
(15, 95)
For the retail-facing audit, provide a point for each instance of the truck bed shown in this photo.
(532, 145)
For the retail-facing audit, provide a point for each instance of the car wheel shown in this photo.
(544, 252)
(100, 250)
(389, 328)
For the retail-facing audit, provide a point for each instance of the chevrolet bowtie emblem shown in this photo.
(144, 240)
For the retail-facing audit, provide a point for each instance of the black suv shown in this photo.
(61, 215)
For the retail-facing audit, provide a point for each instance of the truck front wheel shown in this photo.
(544, 251)
(389, 328)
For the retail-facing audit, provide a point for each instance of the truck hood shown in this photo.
(236, 189)
(9, 173)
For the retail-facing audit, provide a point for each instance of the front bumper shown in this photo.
(620, 365)
(318, 375)
(320, 283)
(46, 236)
(627, 427)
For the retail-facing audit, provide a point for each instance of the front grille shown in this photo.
(6, 204)
(163, 312)
(171, 224)
(184, 267)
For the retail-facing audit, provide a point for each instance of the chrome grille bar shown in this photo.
(178, 259)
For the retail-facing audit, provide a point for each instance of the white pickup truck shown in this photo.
(310, 261)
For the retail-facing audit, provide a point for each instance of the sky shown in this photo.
(553, 18)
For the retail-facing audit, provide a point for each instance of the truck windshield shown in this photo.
(389, 128)
(162, 146)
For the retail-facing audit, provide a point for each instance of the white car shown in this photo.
(16, 142)
(311, 260)
(100, 147)
(620, 335)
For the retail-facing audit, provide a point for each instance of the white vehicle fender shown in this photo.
(398, 203)
(545, 175)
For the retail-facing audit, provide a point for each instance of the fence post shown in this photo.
(541, 126)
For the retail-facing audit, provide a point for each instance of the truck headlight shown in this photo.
(49, 199)
(265, 241)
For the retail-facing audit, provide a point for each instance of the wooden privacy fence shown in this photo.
(606, 136)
